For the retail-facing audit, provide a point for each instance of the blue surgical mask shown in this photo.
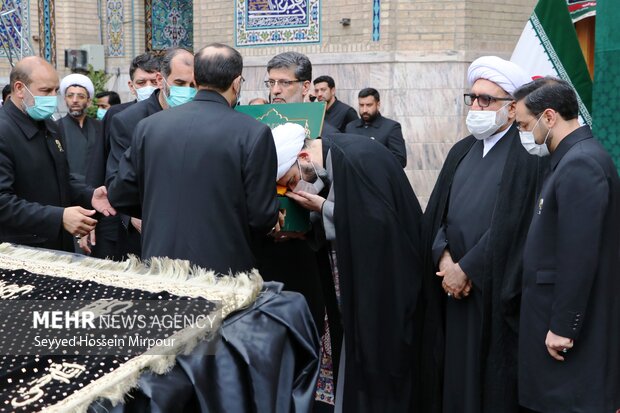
(101, 113)
(144, 92)
(179, 95)
(43, 108)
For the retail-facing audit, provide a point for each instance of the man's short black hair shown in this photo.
(6, 90)
(166, 60)
(325, 79)
(549, 93)
(295, 61)
(364, 93)
(149, 62)
(217, 70)
(113, 97)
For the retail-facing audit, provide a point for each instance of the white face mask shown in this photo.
(144, 92)
(529, 142)
(305, 186)
(484, 123)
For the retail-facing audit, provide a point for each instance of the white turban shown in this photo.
(289, 139)
(505, 74)
(76, 79)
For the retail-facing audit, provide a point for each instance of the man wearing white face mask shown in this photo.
(371, 217)
(176, 73)
(569, 341)
(475, 225)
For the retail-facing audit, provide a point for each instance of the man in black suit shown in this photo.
(337, 113)
(569, 336)
(176, 70)
(372, 124)
(207, 189)
(143, 75)
(36, 190)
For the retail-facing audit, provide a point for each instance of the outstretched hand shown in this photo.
(100, 202)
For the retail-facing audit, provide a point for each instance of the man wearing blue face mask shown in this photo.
(569, 340)
(143, 76)
(36, 190)
(104, 101)
(176, 79)
(185, 160)
(474, 228)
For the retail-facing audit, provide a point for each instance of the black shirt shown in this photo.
(340, 114)
(385, 131)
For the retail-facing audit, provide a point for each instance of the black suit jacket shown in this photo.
(122, 127)
(35, 185)
(385, 131)
(203, 178)
(571, 283)
(339, 115)
(95, 174)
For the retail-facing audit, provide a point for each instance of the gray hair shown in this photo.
(292, 60)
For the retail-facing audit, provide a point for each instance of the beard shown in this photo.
(76, 113)
(369, 117)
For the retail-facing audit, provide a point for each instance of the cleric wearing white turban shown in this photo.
(478, 216)
(76, 79)
(289, 139)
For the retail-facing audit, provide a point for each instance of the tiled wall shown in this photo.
(424, 96)
(418, 65)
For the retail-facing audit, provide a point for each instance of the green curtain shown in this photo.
(606, 92)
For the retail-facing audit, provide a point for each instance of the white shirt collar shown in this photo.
(492, 140)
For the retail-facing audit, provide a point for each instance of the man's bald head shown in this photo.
(32, 76)
(23, 70)
(216, 66)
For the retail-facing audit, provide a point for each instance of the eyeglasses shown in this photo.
(483, 100)
(80, 96)
(284, 83)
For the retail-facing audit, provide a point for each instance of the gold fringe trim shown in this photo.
(157, 274)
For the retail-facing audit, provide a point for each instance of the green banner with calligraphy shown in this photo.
(308, 115)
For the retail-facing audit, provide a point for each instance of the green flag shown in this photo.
(606, 96)
(549, 46)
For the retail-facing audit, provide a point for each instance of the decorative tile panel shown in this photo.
(114, 26)
(376, 20)
(47, 29)
(15, 21)
(169, 23)
(277, 22)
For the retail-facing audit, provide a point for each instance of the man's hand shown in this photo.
(88, 241)
(306, 200)
(455, 281)
(76, 220)
(100, 202)
(137, 224)
(445, 260)
(557, 345)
